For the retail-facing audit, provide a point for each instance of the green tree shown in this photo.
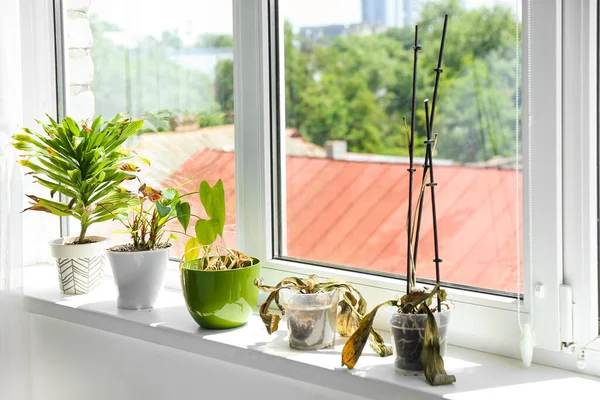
(214, 41)
(224, 87)
(359, 87)
(147, 78)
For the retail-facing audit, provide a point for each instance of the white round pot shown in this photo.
(80, 266)
(139, 276)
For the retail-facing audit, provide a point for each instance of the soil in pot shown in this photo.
(131, 248)
(408, 331)
(311, 319)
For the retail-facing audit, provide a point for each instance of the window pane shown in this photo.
(348, 87)
(171, 66)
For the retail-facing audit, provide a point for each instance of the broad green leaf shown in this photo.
(206, 231)
(163, 211)
(192, 250)
(170, 194)
(183, 214)
(213, 200)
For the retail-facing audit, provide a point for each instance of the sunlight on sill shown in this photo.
(561, 389)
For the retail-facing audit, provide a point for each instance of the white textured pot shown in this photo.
(80, 266)
(139, 276)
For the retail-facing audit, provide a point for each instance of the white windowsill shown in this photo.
(479, 375)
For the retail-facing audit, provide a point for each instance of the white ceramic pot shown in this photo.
(80, 266)
(139, 276)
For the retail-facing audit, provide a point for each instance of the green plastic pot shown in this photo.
(220, 299)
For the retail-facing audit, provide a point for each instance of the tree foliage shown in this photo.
(355, 87)
(147, 77)
(359, 87)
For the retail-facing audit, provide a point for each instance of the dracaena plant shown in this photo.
(205, 246)
(85, 164)
(352, 306)
(146, 223)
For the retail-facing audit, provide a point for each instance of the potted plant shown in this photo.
(418, 324)
(139, 267)
(312, 313)
(85, 166)
(217, 282)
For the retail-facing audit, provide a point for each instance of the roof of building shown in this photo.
(354, 214)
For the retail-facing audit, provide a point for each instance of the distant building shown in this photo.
(320, 33)
(390, 13)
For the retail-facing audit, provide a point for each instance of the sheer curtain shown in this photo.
(14, 354)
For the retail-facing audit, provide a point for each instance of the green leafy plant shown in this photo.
(147, 225)
(206, 119)
(352, 306)
(84, 164)
(160, 121)
(204, 246)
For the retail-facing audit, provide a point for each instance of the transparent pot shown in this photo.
(408, 332)
(311, 319)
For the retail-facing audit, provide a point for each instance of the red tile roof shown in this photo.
(354, 214)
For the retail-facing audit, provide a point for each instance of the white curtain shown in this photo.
(14, 352)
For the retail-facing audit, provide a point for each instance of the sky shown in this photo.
(194, 17)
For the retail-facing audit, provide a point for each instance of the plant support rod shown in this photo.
(428, 159)
(426, 164)
(411, 170)
(438, 70)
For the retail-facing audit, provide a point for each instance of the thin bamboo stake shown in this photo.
(438, 72)
(411, 148)
(420, 204)
(432, 185)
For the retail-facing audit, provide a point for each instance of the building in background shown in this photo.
(390, 13)
(325, 33)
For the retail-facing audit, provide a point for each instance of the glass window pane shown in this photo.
(348, 87)
(171, 65)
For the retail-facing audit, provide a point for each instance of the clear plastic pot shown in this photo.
(408, 331)
(311, 319)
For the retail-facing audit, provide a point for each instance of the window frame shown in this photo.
(481, 321)
(580, 159)
(564, 49)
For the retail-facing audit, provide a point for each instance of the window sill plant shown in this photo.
(85, 166)
(418, 324)
(312, 314)
(139, 267)
(217, 282)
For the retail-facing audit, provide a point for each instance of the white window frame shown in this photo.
(564, 221)
(580, 163)
(564, 83)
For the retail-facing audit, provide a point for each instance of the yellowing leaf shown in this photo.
(192, 250)
(431, 360)
(354, 346)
